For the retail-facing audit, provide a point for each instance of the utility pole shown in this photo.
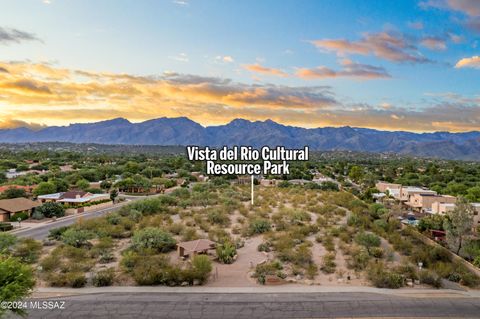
(252, 190)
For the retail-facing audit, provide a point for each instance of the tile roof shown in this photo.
(15, 205)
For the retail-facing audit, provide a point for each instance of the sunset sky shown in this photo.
(393, 65)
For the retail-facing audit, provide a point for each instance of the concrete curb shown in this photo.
(288, 288)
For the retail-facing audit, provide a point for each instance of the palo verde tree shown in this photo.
(16, 281)
(459, 224)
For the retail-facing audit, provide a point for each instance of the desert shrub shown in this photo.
(401, 244)
(469, 279)
(328, 263)
(430, 278)
(302, 255)
(50, 262)
(359, 259)
(67, 279)
(19, 216)
(328, 243)
(153, 238)
(311, 271)
(265, 246)
(408, 270)
(75, 237)
(134, 215)
(7, 241)
(113, 218)
(202, 266)
(384, 278)
(259, 226)
(176, 228)
(226, 253)
(104, 277)
(149, 206)
(56, 233)
(28, 250)
(189, 233)
(267, 268)
(37, 215)
(149, 270)
(219, 217)
(377, 252)
(444, 269)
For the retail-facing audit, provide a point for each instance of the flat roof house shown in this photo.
(407, 191)
(383, 186)
(424, 202)
(10, 207)
(73, 197)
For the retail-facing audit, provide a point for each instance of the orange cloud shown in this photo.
(473, 62)
(264, 70)
(40, 93)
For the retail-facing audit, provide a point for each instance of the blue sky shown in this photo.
(382, 64)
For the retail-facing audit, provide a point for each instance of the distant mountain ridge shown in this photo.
(183, 131)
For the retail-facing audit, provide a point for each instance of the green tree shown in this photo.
(82, 184)
(368, 240)
(16, 281)
(51, 209)
(13, 192)
(356, 173)
(45, 188)
(113, 194)
(153, 238)
(459, 224)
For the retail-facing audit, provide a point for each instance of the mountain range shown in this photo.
(183, 131)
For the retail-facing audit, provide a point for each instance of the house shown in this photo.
(10, 207)
(73, 197)
(12, 173)
(424, 201)
(407, 191)
(443, 208)
(28, 189)
(384, 186)
(194, 247)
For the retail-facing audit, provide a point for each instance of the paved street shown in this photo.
(41, 232)
(252, 306)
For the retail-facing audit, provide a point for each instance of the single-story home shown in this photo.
(10, 207)
(194, 247)
(73, 197)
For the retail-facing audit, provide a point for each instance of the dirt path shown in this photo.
(237, 274)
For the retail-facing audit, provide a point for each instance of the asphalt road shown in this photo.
(253, 306)
(40, 233)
